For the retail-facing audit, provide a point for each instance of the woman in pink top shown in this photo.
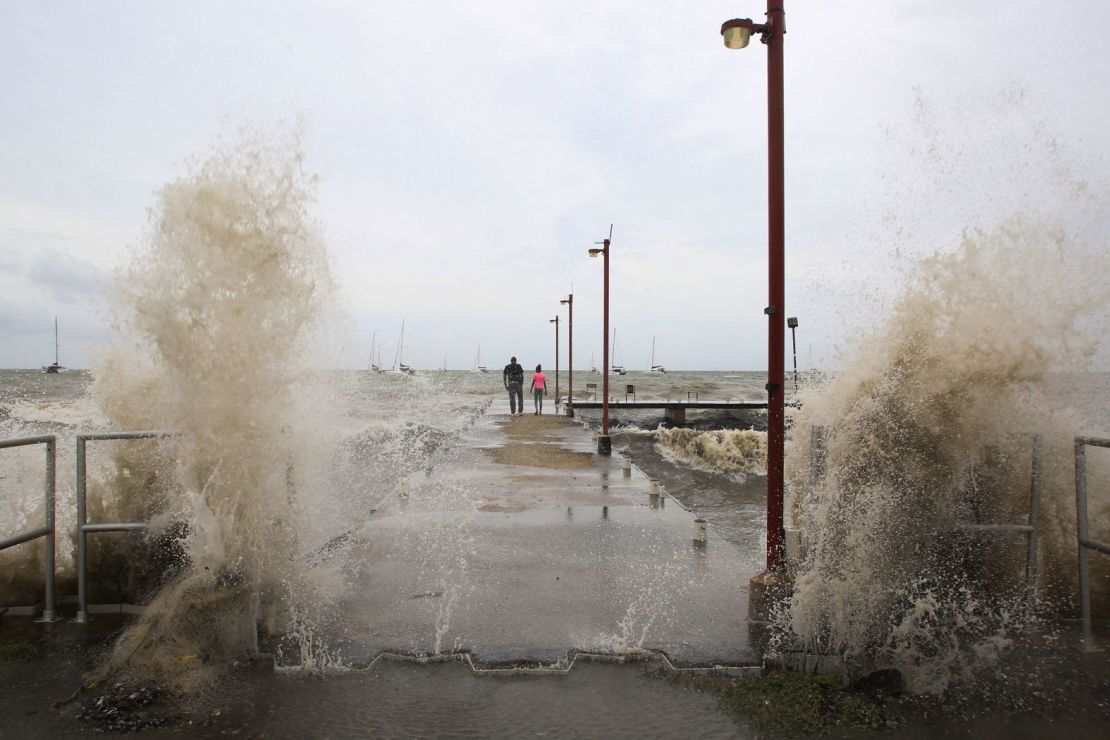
(539, 388)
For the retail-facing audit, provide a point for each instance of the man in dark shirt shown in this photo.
(513, 376)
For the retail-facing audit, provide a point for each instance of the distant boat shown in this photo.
(57, 366)
(444, 368)
(593, 367)
(375, 361)
(478, 366)
(399, 367)
(614, 368)
(655, 368)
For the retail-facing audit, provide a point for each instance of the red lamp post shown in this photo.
(736, 34)
(555, 321)
(604, 442)
(569, 302)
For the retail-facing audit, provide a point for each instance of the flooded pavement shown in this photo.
(406, 700)
(530, 556)
(503, 572)
(549, 558)
(447, 700)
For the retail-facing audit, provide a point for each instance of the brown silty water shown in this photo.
(929, 427)
(214, 315)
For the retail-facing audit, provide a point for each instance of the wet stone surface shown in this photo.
(527, 557)
(126, 707)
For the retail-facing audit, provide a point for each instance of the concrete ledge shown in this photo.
(559, 668)
(135, 609)
(32, 610)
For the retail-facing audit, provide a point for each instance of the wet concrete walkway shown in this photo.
(521, 545)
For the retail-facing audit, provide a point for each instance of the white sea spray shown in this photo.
(928, 427)
(215, 315)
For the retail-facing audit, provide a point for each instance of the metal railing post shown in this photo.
(1034, 518)
(82, 537)
(83, 526)
(816, 455)
(1082, 536)
(48, 612)
(46, 531)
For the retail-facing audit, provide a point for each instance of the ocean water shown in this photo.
(391, 422)
(394, 422)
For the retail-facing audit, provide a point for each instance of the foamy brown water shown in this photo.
(215, 315)
(929, 427)
(736, 452)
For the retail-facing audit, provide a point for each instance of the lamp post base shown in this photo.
(604, 444)
(570, 412)
(767, 592)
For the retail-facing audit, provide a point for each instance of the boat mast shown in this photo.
(400, 346)
(56, 356)
(652, 366)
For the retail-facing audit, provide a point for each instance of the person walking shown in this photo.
(539, 388)
(513, 377)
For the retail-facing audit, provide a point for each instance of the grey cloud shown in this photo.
(65, 278)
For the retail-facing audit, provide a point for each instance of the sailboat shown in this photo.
(57, 366)
(375, 355)
(478, 366)
(593, 367)
(614, 368)
(655, 368)
(444, 368)
(399, 367)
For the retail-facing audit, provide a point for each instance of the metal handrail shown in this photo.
(84, 528)
(818, 435)
(46, 531)
(1082, 535)
(1029, 529)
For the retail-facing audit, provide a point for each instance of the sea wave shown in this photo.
(67, 412)
(737, 452)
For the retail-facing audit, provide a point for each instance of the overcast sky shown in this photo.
(470, 152)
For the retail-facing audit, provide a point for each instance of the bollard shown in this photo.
(654, 499)
(701, 532)
(627, 467)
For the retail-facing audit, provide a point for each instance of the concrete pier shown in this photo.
(522, 544)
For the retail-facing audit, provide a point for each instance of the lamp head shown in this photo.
(564, 301)
(737, 32)
(553, 321)
(596, 252)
